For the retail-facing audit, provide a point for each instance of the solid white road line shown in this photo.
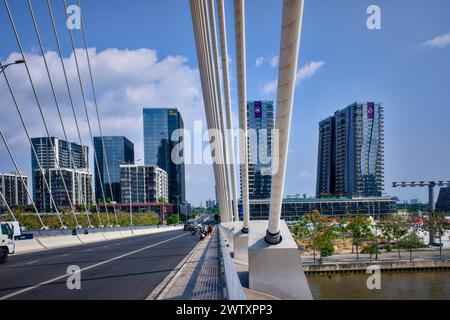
(87, 268)
(31, 262)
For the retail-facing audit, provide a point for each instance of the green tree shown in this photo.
(371, 249)
(393, 228)
(162, 200)
(173, 219)
(317, 233)
(358, 226)
(411, 242)
(438, 225)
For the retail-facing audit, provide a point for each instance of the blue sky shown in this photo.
(347, 62)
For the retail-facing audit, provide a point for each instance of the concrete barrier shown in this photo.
(112, 235)
(30, 245)
(126, 234)
(92, 237)
(59, 241)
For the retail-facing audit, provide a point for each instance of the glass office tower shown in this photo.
(159, 124)
(260, 123)
(357, 159)
(114, 151)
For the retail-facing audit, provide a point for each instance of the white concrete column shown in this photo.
(289, 49)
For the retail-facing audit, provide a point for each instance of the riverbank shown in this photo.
(423, 260)
(385, 266)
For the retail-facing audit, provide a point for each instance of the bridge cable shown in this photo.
(38, 35)
(11, 19)
(83, 28)
(17, 168)
(60, 55)
(86, 111)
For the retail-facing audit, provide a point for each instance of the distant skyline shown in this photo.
(143, 54)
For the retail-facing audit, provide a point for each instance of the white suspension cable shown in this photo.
(21, 178)
(200, 41)
(38, 35)
(214, 109)
(7, 205)
(86, 112)
(226, 81)
(219, 106)
(289, 49)
(239, 26)
(11, 19)
(83, 28)
(85, 157)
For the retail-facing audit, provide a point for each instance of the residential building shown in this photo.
(352, 148)
(74, 165)
(13, 189)
(260, 124)
(143, 184)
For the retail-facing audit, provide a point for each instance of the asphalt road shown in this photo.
(118, 269)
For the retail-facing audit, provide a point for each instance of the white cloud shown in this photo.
(438, 42)
(125, 80)
(270, 87)
(309, 70)
(305, 72)
(304, 174)
(274, 62)
(259, 61)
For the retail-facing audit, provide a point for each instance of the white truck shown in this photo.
(7, 245)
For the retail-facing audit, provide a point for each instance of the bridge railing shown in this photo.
(232, 284)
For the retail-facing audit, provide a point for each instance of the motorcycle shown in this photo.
(193, 231)
(202, 234)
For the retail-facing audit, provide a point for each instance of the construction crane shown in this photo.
(430, 185)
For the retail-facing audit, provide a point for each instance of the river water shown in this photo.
(431, 285)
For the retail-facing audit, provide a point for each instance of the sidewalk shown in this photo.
(199, 278)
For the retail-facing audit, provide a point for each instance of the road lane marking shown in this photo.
(31, 262)
(65, 255)
(13, 294)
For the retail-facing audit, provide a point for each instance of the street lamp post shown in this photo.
(4, 66)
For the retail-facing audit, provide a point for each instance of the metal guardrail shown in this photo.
(233, 287)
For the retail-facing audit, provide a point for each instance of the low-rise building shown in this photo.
(13, 189)
(143, 184)
(294, 208)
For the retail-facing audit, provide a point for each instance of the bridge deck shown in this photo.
(200, 277)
